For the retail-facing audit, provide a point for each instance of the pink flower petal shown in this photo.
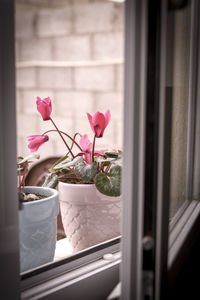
(98, 119)
(85, 143)
(98, 122)
(107, 116)
(99, 153)
(44, 107)
(88, 158)
(35, 141)
(90, 120)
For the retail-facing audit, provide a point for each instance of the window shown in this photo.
(144, 264)
(67, 50)
(181, 92)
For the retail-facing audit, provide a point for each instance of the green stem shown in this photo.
(93, 149)
(107, 168)
(62, 138)
(72, 139)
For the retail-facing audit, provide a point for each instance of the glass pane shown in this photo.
(72, 52)
(178, 57)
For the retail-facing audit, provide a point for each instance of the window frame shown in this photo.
(9, 249)
(94, 272)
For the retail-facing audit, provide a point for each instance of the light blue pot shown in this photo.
(38, 228)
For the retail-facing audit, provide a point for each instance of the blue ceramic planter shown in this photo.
(38, 226)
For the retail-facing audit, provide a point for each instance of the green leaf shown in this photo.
(101, 159)
(113, 160)
(118, 162)
(66, 171)
(86, 171)
(109, 184)
(51, 180)
(22, 160)
(56, 163)
(112, 154)
(67, 163)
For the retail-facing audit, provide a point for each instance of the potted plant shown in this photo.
(38, 210)
(88, 181)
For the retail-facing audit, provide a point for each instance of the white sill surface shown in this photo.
(63, 249)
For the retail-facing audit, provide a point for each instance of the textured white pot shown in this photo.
(37, 228)
(88, 216)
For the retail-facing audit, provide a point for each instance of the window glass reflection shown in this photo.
(72, 52)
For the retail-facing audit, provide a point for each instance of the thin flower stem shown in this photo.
(62, 138)
(107, 168)
(93, 148)
(72, 139)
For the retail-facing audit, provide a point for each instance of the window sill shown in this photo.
(63, 249)
(89, 281)
(80, 268)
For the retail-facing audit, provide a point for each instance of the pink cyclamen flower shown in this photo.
(99, 122)
(86, 147)
(35, 141)
(44, 107)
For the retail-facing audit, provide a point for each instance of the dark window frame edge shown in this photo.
(64, 282)
(185, 240)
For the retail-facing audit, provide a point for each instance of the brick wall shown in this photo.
(72, 51)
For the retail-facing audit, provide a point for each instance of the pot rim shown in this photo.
(85, 189)
(53, 194)
(83, 185)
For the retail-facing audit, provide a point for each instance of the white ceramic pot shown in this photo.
(88, 216)
(37, 228)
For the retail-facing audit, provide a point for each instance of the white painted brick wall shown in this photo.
(26, 77)
(118, 133)
(82, 125)
(100, 78)
(72, 104)
(36, 49)
(96, 17)
(19, 103)
(27, 99)
(120, 78)
(72, 30)
(108, 45)
(22, 149)
(55, 141)
(17, 50)
(54, 77)
(24, 21)
(112, 101)
(72, 47)
(83, 103)
(107, 141)
(27, 125)
(54, 22)
(63, 104)
(48, 3)
(66, 125)
(48, 149)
